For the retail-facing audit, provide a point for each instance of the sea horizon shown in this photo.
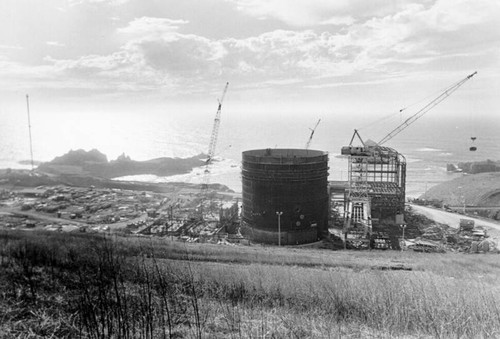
(428, 145)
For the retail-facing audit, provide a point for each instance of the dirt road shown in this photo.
(49, 218)
(453, 219)
(41, 216)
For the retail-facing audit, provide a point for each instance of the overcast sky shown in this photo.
(319, 56)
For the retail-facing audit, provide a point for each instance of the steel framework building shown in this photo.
(376, 191)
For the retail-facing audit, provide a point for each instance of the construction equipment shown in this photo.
(215, 133)
(211, 150)
(312, 133)
(473, 148)
(466, 224)
(379, 172)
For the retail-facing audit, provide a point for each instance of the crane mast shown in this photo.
(215, 130)
(211, 152)
(312, 133)
(213, 143)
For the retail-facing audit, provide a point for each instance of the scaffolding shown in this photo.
(376, 190)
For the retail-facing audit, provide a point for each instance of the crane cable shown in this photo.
(405, 108)
(425, 109)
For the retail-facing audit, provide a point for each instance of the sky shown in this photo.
(354, 58)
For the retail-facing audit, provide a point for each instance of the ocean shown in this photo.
(428, 144)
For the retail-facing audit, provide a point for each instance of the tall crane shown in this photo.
(215, 131)
(211, 148)
(312, 133)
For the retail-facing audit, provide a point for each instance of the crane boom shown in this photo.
(425, 109)
(215, 129)
(211, 152)
(312, 133)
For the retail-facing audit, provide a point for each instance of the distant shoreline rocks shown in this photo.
(28, 162)
(475, 167)
(95, 163)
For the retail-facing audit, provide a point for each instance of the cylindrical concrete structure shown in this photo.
(285, 195)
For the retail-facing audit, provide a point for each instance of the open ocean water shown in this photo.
(428, 144)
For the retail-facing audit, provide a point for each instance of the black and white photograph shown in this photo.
(249, 169)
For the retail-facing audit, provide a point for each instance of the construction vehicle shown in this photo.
(379, 171)
(466, 224)
(380, 241)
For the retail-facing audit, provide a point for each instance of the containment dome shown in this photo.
(285, 195)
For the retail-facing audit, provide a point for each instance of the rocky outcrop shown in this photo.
(94, 163)
(475, 167)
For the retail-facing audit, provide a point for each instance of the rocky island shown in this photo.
(94, 163)
(91, 168)
(475, 167)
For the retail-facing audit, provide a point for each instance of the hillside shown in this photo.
(481, 189)
(83, 285)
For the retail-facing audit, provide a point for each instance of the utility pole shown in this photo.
(403, 239)
(29, 129)
(279, 227)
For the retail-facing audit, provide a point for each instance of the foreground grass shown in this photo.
(60, 285)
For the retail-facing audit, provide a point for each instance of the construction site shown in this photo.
(286, 200)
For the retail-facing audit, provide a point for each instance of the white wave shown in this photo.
(428, 149)
(223, 171)
(412, 160)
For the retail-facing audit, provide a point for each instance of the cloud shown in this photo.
(119, 71)
(414, 39)
(452, 15)
(283, 54)
(17, 76)
(310, 13)
(10, 47)
(186, 55)
(160, 46)
(152, 27)
(55, 44)
(338, 20)
(105, 2)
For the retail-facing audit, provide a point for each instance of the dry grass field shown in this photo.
(94, 286)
